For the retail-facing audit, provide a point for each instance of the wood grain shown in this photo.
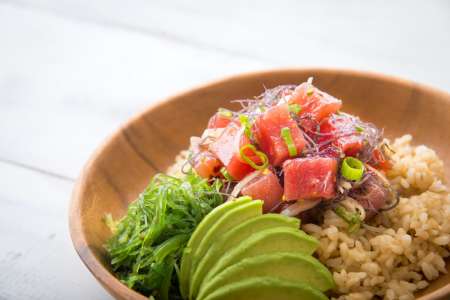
(37, 260)
(72, 71)
(120, 169)
(80, 82)
(375, 35)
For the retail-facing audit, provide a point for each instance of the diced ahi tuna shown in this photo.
(267, 130)
(341, 132)
(310, 178)
(219, 120)
(374, 192)
(237, 168)
(351, 145)
(267, 188)
(315, 102)
(207, 165)
(379, 161)
(226, 148)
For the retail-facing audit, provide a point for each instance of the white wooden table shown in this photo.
(71, 71)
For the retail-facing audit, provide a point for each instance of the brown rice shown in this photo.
(399, 251)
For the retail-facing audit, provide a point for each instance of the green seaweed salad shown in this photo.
(147, 243)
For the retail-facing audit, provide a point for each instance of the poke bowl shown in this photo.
(397, 249)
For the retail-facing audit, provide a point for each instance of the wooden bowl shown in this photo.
(121, 168)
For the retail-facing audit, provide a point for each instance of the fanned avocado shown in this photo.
(230, 219)
(232, 239)
(287, 266)
(274, 240)
(266, 288)
(197, 237)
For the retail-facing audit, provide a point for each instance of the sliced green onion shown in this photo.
(223, 112)
(295, 108)
(287, 137)
(261, 155)
(352, 169)
(359, 129)
(266, 171)
(226, 174)
(243, 119)
(351, 218)
(246, 124)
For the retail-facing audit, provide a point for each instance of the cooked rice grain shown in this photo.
(400, 251)
(176, 169)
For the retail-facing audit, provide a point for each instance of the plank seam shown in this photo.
(152, 32)
(36, 169)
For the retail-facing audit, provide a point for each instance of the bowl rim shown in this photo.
(76, 227)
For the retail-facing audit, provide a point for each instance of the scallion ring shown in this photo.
(287, 137)
(225, 174)
(246, 124)
(351, 218)
(352, 169)
(261, 155)
(223, 112)
(295, 108)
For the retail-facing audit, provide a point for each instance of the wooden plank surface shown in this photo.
(37, 260)
(409, 38)
(71, 71)
(117, 59)
(66, 85)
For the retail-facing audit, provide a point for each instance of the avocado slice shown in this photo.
(197, 236)
(287, 266)
(279, 239)
(232, 239)
(266, 288)
(227, 221)
(230, 219)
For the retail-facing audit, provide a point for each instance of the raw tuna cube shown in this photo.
(341, 132)
(267, 130)
(267, 188)
(351, 145)
(219, 120)
(207, 165)
(310, 178)
(226, 149)
(315, 102)
(380, 161)
(238, 169)
(224, 146)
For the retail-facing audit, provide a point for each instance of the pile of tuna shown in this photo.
(288, 145)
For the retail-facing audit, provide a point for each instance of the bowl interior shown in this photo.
(148, 144)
